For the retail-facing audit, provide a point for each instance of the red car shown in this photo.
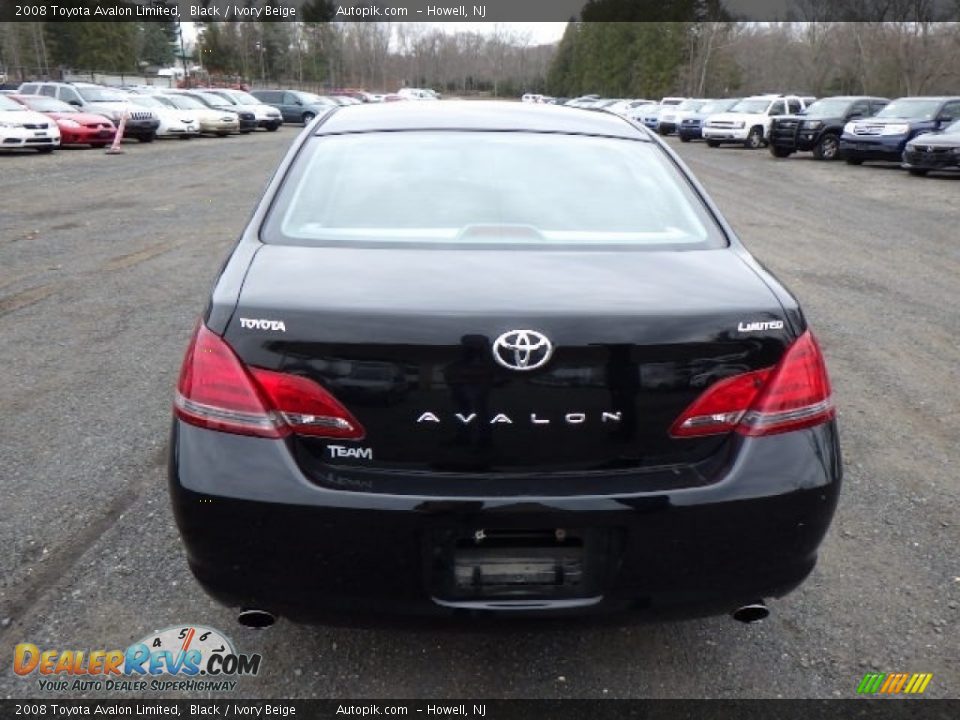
(76, 128)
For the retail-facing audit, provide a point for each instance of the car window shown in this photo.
(861, 107)
(951, 111)
(777, 108)
(794, 106)
(511, 188)
(28, 89)
(289, 99)
(48, 91)
(69, 94)
(877, 105)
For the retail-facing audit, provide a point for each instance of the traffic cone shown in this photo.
(115, 148)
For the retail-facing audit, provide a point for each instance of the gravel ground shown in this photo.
(105, 262)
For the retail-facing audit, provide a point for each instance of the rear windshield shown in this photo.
(488, 188)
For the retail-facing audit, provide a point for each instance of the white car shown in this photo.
(267, 116)
(748, 122)
(214, 122)
(417, 94)
(672, 115)
(22, 128)
(184, 124)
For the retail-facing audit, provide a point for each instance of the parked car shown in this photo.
(886, 134)
(174, 122)
(691, 126)
(295, 106)
(417, 94)
(212, 121)
(624, 107)
(637, 112)
(647, 428)
(582, 101)
(267, 117)
(141, 123)
(748, 122)
(246, 119)
(22, 128)
(672, 115)
(933, 151)
(650, 117)
(818, 128)
(76, 127)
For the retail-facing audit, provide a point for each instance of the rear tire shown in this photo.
(917, 172)
(684, 138)
(713, 143)
(828, 148)
(272, 128)
(780, 152)
(308, 118)
(754, 139)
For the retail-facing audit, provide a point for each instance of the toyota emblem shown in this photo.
(522, 349)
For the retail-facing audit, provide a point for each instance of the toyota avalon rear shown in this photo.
(500, 360)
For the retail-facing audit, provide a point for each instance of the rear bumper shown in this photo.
(259, 534)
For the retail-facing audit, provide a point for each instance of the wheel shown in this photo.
(684, 138)
(147, 138)
(828, 148)
(222, 134)
(44, 150)
(917, 172)
(854, 161)
(754, 139)
(713, 143)
(272, 128)
(308, 117)
(780, 152)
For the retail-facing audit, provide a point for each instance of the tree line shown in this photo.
(723, 58)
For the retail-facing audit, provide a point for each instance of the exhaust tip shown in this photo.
(754, 612)
(256, 618)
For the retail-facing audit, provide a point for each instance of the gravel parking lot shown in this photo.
(105, 262)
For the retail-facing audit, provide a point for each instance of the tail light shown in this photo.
(793, 394)
(217, 391)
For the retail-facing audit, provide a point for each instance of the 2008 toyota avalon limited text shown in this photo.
(493, 359)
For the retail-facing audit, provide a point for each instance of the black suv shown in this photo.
(819, 127)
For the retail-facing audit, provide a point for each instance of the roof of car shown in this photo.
(477, 115)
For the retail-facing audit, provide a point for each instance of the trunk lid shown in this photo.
(403, 338)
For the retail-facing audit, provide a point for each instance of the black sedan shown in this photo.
(933, 151)
(491, 359)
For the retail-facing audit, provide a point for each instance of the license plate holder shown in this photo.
(491, 564)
